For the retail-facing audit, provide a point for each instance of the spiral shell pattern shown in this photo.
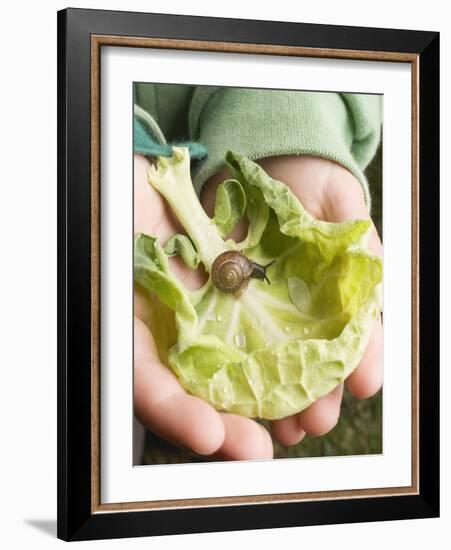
(230, 272)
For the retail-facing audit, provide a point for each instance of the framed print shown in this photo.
(224, 190)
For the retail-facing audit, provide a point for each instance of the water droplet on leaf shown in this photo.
(299, 294)
(240, 340)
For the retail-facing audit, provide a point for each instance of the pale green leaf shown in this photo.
(181, 245)
(229, 206)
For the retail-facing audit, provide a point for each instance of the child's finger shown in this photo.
(288, 431)
(322, 415)
(375, 244)
(366, 380)
(162, 405)
(244, 439)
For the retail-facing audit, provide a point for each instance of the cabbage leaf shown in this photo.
(278, 347)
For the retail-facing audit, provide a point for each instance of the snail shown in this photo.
(231, 272)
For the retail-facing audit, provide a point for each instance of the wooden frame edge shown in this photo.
(415, 176)
(235, 47)
(110, 40)
(95, 276)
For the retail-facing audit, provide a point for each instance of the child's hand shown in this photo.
(160, 402)
(330, 193)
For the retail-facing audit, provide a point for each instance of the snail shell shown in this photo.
(231, 272)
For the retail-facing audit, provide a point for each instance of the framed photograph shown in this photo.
(235, 349)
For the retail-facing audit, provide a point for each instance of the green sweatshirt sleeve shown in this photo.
(262, 123)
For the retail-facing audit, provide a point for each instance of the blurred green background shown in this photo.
(359, 429)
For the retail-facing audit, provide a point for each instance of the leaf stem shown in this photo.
(171, 177)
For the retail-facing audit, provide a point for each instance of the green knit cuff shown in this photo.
(212, 166)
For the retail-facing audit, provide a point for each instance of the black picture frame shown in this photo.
(77, 517)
